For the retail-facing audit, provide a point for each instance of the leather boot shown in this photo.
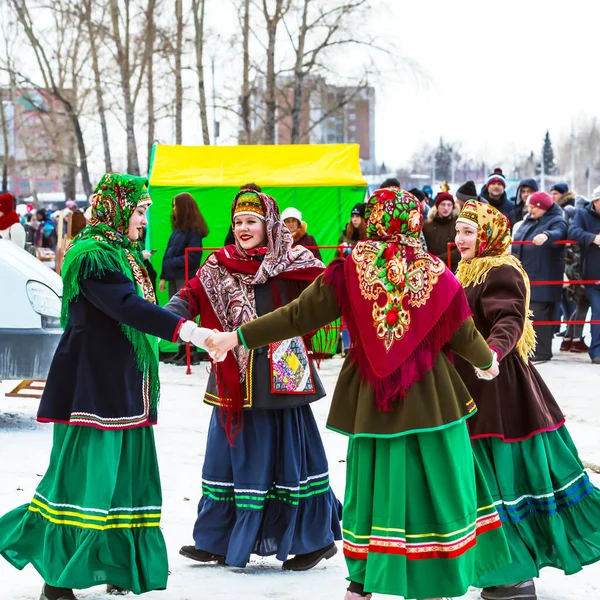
(304, 562)
(201, 555)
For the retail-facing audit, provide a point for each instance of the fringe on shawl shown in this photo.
(92, 260)
(475, 271)
(391, 389)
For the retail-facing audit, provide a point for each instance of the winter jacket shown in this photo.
(545, 262)
(584, 228)
(173, 264)
(438, 231)
(567, 199)
(301, 238)
(503, 204)
(520, 209)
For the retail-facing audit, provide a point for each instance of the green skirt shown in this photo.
(418, 517)
(95, 517)
(549, 508)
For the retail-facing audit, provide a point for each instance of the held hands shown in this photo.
(220, 343)
(490, 373)
(190, 332)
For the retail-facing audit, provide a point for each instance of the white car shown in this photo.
(30, 303)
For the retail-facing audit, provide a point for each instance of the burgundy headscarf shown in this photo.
(400, 303)
(7, 206)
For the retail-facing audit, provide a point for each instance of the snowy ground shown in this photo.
(181, 437)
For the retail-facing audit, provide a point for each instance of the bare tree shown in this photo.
(178, 78)
(150, 41)
(86, 9)
(198, 10)
(246, 93)
(272, 23)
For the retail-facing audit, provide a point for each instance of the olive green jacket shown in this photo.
(434, 402)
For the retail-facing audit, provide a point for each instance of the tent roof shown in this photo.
(284, 166)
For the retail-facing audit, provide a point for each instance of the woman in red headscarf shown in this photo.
(265, 478)
(418, 518)
(10, 223)
(549, 508)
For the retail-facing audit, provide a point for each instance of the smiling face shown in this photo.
(137, 222)
(495, 189)
(250, 231)
(466, 240)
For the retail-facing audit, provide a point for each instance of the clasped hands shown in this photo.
(216, 343)
(490, 373)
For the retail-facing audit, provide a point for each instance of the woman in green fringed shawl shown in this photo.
(94, 519)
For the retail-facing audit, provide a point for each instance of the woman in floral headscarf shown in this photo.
(549, 508)
(95, 516)
(418, 518)
(265, 479)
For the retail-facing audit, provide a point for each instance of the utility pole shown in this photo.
(572, 159)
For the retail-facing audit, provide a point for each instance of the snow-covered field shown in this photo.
(181, 438)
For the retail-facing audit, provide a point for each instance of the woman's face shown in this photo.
(292, 224)
(137, 222)
(356, 220)
(466, 240)
(535, 211)
(250, 231)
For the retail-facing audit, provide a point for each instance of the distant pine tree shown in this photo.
(550, 167)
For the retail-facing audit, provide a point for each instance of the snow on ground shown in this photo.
(181, 439)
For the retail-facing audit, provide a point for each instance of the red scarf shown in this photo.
(10, 216)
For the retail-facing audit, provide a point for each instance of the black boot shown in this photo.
(201, 555)
(304, 562)
(115, 590)
(50, 592)
(525, 590)
(180, 355)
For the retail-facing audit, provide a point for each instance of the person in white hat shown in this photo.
(292, 218)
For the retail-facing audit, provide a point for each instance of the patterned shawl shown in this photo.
(415, 304)
(227, 279)
(493, 250)
(103, 246)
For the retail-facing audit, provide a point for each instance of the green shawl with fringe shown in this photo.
(103, 246)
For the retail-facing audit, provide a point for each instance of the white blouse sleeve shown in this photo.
(17, 235)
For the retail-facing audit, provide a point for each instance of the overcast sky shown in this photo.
(500, 74)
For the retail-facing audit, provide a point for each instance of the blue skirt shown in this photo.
(268, 494)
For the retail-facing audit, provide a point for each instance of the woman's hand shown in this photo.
(146, 254)
(219, 344)
(490, 373)
(162, 286)
(540, 239)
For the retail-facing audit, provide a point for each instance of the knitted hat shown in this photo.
(7, 202)
(358, 209)
(291, 213)
(443, 197)
(249, 203)
(467, 191)
(541, 200)
(561, 188)
(596, 194)
(418, 194)
(496, 176)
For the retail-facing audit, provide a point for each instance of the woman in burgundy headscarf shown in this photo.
(10, 223)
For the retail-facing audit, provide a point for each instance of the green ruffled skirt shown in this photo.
(418, 519)
(549, 508)
(95, 517)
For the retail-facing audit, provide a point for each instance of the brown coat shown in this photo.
(438, 232)
(438, 399)
(517, 403)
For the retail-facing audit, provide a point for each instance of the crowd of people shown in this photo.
(460, 469)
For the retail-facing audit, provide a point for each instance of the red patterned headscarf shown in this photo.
(414, 303)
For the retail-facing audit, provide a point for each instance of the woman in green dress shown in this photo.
(418, 518)
(95, 516)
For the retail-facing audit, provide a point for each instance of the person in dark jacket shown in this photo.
(543, 261)
(561, 195)
(422, 198)
(95, 516)
(494, 193)
(585, 229)
(525, 189)
(292, 218)
(439, 229)
(354, 231)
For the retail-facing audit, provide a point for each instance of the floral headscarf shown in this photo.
(414, 302)
(103, 246)
(493, 228)
(493, 250)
